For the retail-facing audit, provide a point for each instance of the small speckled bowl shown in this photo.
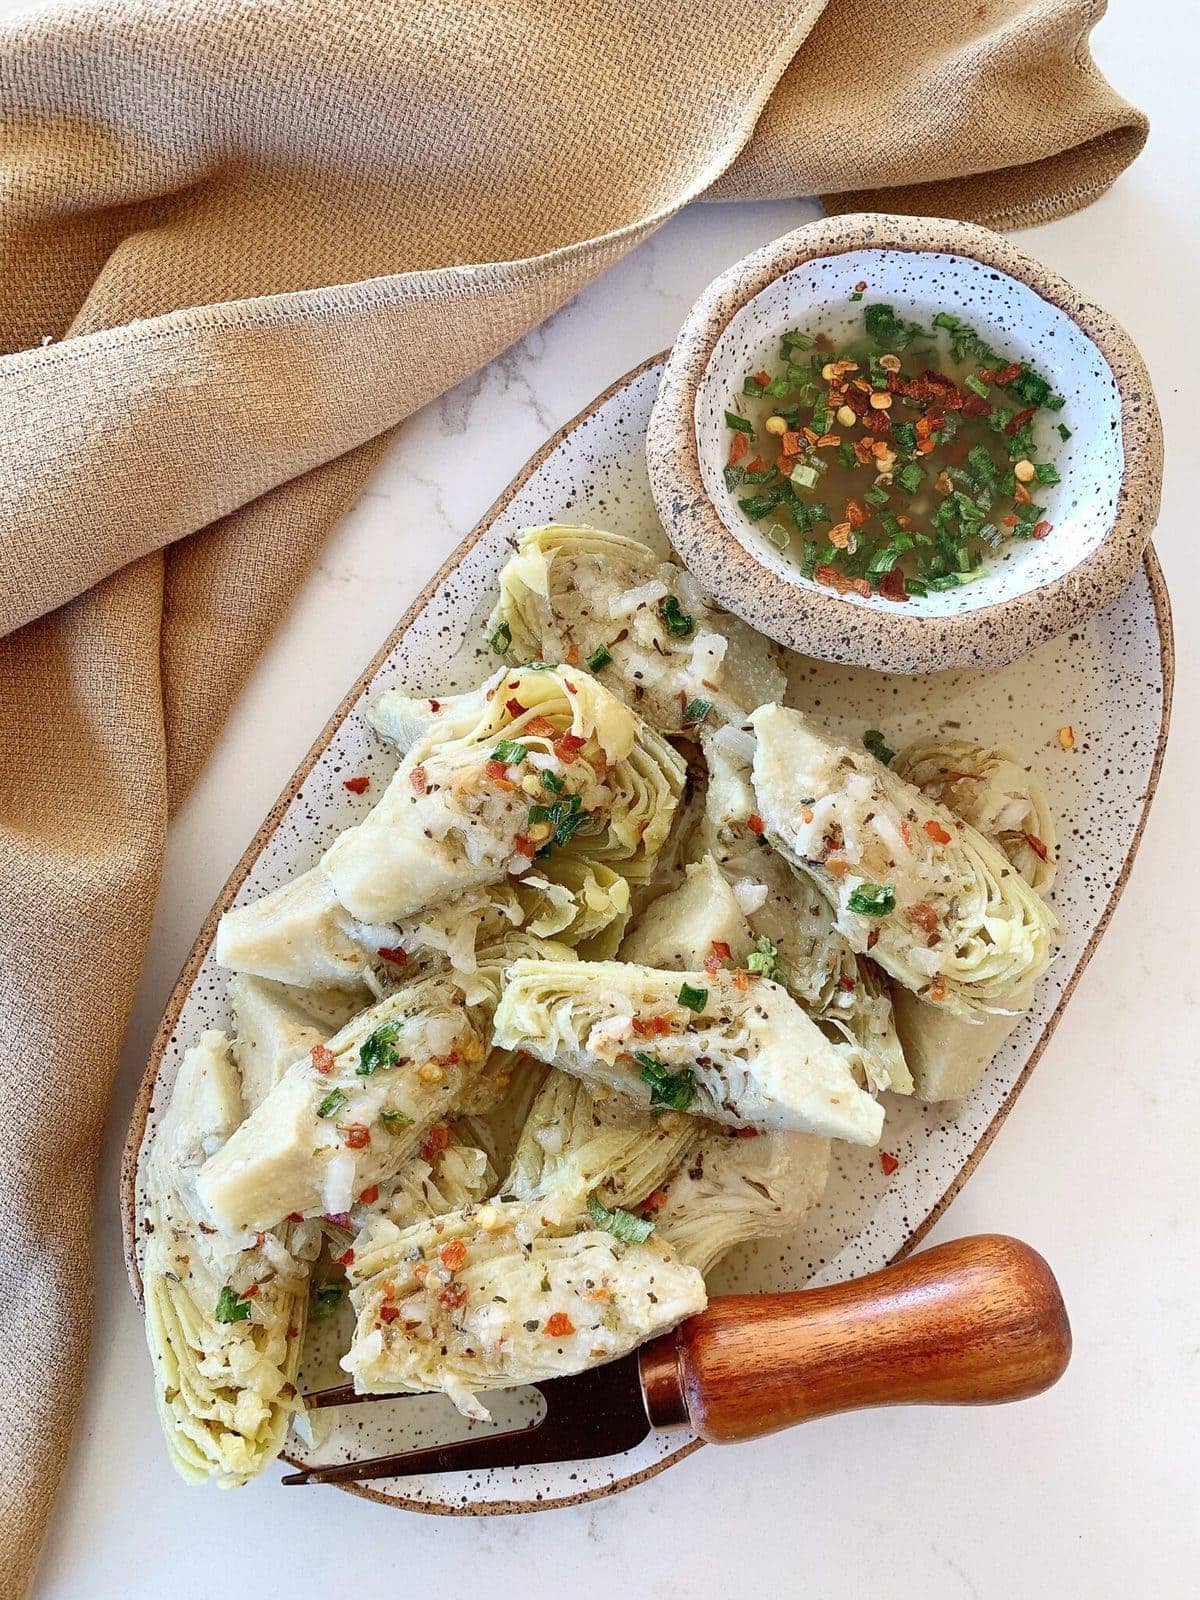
(1102, 512)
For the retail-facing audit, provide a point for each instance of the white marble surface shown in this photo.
(1089, 1490)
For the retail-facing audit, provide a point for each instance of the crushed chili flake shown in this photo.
(568, 746)
(496, 770)
(346, 1259)
(936, 832)
(745, 1133)
(394, 954)
(357, 785)
(924, 917)
(514, 707)
(294, 1216)
(419, 779)
(356, 1135)
(524, 846)
(741, 980)
(369, 1195)
(558, 1325)
(756, 824)
(654, 1201)
(439, 1139)
(453, 1255)
(388, 1313)
(721, 950)
(538, 728)
(451, 1296)
(651, 1027)
(322, 1058)
(1036, 845)
(572, 657)
(888, 1163)
(937, 989)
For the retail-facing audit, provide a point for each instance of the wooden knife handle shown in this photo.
(971, 1322)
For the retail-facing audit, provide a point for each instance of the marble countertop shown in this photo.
(1088, 1490)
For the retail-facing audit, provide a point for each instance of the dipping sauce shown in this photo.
(897, 464)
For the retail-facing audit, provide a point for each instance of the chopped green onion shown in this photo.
(905, 435)
(873, 740)
(857, 294)
(1064, 433)
(672, 1091)
(751, 386)
(565, 816)
(679, 624)
(873, 900)
(623, 1225)
(693, 999)
(910, 477)
(695, 712)
(733, 476)
(764, 959)
(332, 1103)
(230, 1308)
(846, 454)
(793, 339)
(1046, 472)
(511, 752)
(598, 658)
(552, 781)
(742, 424)
(501, 639)
(877, 496)
(976, 385)
(326, 1298)
(394, 1120)
(376, 1051)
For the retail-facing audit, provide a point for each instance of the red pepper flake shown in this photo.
(937, 989)
(1018, 422)
(248, 1294)
(496, 770)
(936, 832)
(539, 727)
(357, 785)
(293, 1330)
(745, 1133)
(651, 1027)
(453, 1255)
(524, 846)
(294, 1216)
(924, 917)
(419, 779)
(346, 1259)
(439, 1139)
(1036, 845)
(741, 980)
(757, 465)
(790, 440)
(369, 1195)
(738, 447)
(654, 1201)
(721, 950)
(388, 1313)
(762, 379)
(568, 746)
(356, 1135)
(893, 587)
(1010, 522)
(394, 954)
(435, 706)
(755, 824)
(888, 1163)
(855, 514)
(514, 707)
(1041, 529)
(572, 656)
(452, 1296)
(848, 983)
(559, 1325)
(322, 1058)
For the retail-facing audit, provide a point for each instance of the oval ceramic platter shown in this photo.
(1110, 681)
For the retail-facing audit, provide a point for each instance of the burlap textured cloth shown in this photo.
(240, 241)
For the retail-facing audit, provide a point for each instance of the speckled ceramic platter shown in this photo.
(1110, 681)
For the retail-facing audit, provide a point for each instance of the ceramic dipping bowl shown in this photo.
(1102, 512)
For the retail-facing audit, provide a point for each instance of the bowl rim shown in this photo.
(820, 622)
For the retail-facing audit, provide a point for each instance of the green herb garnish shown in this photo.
(565, 816)
(741, 424)
(552, 781)
(873, 899)
(377, 1050)
(511, 752)
(693, 999)
(326, 1297)
(873, 740)
(598, 658)
(669, 1091)
(623, 1225)
(332, 1103)
(764, 959)
(679, 624)
(501, 639)
(394, 1120)
(230, 1308)
(695, 712)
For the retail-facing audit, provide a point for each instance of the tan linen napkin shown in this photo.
(259, 235)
